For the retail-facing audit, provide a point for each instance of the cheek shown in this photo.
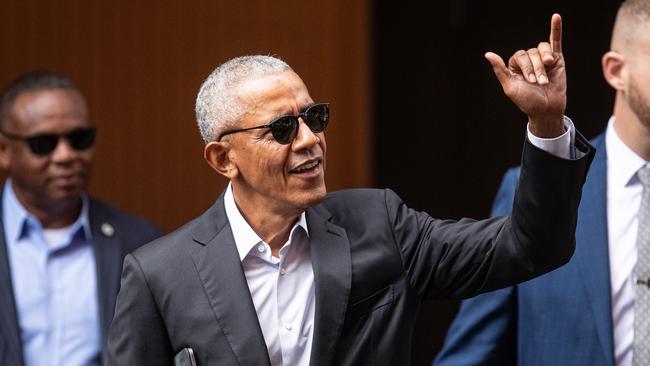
(27, 164)
(267, 163)
(274, 159)
(87, 157)
(323, 146)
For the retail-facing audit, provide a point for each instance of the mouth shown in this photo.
(67, 180)
(308, 168)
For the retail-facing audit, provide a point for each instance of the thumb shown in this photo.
(499, 67)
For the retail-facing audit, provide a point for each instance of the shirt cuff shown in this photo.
(561, 146)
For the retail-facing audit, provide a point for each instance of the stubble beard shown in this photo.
(639, 103)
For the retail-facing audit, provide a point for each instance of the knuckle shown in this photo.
(520, 53)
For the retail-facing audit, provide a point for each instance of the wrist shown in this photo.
(546, 127)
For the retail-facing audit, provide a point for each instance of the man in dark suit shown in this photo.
(582, 313)
(61, 251)
(280, 272)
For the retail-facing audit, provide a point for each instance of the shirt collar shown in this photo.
(244, 235)
(622, 162)
(18, 221)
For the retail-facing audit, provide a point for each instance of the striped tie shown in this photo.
(642, 288)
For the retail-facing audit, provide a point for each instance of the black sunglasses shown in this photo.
(43, 144)
(285, 128)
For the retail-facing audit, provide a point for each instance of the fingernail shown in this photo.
(542, 79)
(532, 78)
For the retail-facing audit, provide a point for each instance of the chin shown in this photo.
(313, 197)
(67, 194)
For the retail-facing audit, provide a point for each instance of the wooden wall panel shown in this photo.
(140, 64)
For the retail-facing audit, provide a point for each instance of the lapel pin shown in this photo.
(107, 229)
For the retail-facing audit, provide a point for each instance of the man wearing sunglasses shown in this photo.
(61, 251)
(280, 272)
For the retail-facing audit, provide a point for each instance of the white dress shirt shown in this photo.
(561, 146)
(283, 288)
(623, 201)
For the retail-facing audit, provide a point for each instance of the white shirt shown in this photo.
(283, 288)
(561, 146)
(623, 201)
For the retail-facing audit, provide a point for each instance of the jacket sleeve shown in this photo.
(484, 330)
(137, 335)
(460, 259)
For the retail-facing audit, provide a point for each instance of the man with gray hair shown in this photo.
(280, 272)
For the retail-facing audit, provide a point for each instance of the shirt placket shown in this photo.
(285, 318)
(45, 312)
(290, 315)
(54, 339)
(56, 299)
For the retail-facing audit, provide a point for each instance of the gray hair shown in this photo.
(218, 106)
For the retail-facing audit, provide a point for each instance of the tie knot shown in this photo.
(644, 176)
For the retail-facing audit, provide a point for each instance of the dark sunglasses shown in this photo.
(43, 144)
(285, 128)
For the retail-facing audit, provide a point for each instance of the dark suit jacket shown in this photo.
(130, 232)
(561, 318)
(374, 260)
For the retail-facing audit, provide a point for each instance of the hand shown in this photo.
(535, 80)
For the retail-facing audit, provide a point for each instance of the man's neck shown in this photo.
(270, 224)
(51, 215)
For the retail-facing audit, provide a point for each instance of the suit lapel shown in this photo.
(9, 332)
(592, 250)
(106, 246)
(330, 256)
(217, 262)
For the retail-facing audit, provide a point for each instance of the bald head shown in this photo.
(632, 27)
(625, 68)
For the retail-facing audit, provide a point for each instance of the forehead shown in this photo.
(51, 110)
(279, 93)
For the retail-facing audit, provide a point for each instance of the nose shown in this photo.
(63, 152)
(305, 137)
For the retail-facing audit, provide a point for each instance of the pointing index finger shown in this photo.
(556, 33)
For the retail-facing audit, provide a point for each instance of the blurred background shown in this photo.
(415, 107)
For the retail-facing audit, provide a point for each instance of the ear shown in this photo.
(4, 154)
(217, 154)
(614, 69)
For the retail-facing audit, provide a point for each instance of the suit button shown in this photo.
(107, 229)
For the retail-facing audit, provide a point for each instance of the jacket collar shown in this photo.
(9, 331)
(217, 261)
